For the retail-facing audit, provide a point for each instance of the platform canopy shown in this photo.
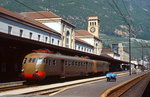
(24, 43)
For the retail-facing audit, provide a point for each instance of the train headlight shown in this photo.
(36, 70)
(22, 70)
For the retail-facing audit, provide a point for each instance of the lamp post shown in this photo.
(129, 48)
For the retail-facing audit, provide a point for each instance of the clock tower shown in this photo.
(93, 25)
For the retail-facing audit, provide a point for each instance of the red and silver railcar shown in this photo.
(41, 64)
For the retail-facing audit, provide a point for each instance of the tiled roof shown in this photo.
(105, 55)
(25, 20)
(107, 50)
(82, 41)
(40, 14)
(83, 33)
(43, 15)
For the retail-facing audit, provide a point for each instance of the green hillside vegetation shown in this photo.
(77, 12)
(136, 45)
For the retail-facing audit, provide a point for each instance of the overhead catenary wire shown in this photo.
(119, 12)
(30, 8)
(33, 9)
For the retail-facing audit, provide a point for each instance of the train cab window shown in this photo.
(39, 61)
(30, 60)
(33, 60)
(24, 61)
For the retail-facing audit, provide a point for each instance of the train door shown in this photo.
(94, 67)
(62, 68)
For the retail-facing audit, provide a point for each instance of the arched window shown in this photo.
(67, 39)
(96, 48)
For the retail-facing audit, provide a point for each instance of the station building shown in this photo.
(119, 49)
(82, 40)
(82, 45)
(62, 26)
(111, 53)
(92, 35)
(16, 24)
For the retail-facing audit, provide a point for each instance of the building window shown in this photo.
(30, 35)
(46, 38)
(78, 47)
(9, 29)
(39, 36)
(21, 33)
(90, 23)
(90, 51)
(58, 42)
(67, 39)
(52, 41)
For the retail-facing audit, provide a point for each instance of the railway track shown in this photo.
(51, 88)
(4, 87)
(11, 86)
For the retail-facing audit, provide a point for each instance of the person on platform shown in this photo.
(111, 76)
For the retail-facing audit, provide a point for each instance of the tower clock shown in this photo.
(93, 25)
(92, 29)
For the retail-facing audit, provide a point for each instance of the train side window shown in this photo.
(82, 63)
(72, 63)
(66, 63)
(30, 60)
(76, 63)
(91, 64)
(45, 61)
(50, 63)
(24, 61)
(79, 63)
(54, 62)
(69, 63)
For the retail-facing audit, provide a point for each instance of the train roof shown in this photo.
(57, 56)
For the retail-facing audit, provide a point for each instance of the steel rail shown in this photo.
(9, 86)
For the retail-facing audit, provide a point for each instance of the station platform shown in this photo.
(94, 89)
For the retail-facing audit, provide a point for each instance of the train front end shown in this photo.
(32, 67)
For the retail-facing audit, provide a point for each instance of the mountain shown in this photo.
(115, 15)
(77, 11)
